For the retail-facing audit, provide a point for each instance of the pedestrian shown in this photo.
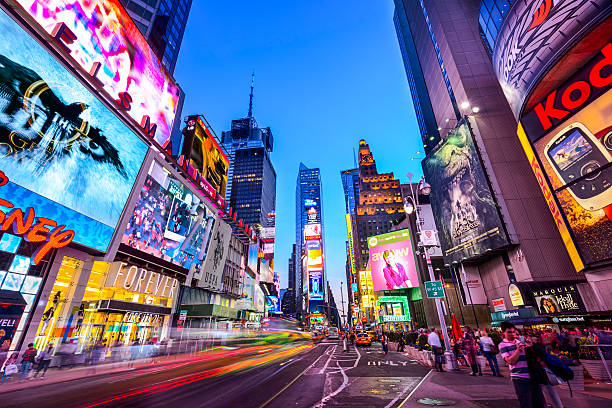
(433, 338)
(513, 351)
(469, 349)
(44, 359)
(10, 368)
(28, 358)
(490, 350)
(383, 342)
(401, 343)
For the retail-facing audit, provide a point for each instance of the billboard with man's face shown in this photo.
(392, 261)
(568, 141)
(466, 214)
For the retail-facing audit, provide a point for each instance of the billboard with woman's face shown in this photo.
(392, 261)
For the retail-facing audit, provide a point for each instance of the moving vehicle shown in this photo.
(373, 336)
(363, 339)
(334, 333)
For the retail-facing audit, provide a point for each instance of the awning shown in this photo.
(113, 305)
(210, 310)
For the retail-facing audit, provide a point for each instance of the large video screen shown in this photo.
(392, 261)
(466, 214)
(65, 153)
(576, 158)
(169, 221)
(205, 153)
(105, 34)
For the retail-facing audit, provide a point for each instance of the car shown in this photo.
(372, 335)
(363, 339)
(333, 334)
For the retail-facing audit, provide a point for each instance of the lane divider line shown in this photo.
(415, 388)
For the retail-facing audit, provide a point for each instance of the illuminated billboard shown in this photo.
(466, 214)
(392, 262)
(205, 154)
(314, 254)
(169, 221)
(100, 38)
(312, 231)
(351, 244)
(66, 154)
(568, 141)
(534, 32)
(314, 265)
(315, 285)
(252, 259)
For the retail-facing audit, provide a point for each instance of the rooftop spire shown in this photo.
(251, 96)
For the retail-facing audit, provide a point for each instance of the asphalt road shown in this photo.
(319, 376)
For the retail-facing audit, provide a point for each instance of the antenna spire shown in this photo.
(251, 96)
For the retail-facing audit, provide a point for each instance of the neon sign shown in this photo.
(33, 229)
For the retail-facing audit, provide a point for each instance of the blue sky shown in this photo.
(327, 73)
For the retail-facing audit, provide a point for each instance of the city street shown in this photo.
(361, 377)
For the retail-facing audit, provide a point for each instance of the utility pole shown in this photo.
(342, 300)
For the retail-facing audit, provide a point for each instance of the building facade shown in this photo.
(163, 23)
(309, 238)
(451, 62)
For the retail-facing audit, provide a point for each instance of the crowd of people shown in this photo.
(537, 358)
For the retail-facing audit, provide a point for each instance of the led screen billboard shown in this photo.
(253, 259)
(101, 38)
(312, 231)
(392, 262)
(169, 221)
(315, 285)
(205, 154)
(65, 153)
(466, 214)
(534, 32)
(315, 254)
(568, 141)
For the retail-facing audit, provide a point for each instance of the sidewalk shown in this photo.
(489, 391)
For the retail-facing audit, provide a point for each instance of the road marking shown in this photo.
(328, 360)
(413, 390)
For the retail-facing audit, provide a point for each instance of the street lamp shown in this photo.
(425, 189)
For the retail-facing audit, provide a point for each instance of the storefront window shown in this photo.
(60, 321)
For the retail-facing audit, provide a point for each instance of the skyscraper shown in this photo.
(162, 22)
(310, 274)
(350, 185)
(251, 179)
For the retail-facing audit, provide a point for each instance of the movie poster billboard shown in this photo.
(100, 38)
(466, 214)
(392, 261)
(217, 255)
(65, 153)
(568, 141)
(169, 221)
(205, 154)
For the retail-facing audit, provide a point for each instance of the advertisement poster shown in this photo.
(466, 214)
(472, 286)
(556, 300)
(314, 254)
(68, 156)
(315, 285)
(10, 314)
(217, 254)
(392, 261)
(273, 304)
(312, 231)
(206, 155)
(169, 221)
(128, 69)
(245, 302)
(252, 259)
(575, 157)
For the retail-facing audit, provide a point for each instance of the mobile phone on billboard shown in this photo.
(605, 137)
(576, 154)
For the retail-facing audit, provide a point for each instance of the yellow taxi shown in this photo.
(363, 339)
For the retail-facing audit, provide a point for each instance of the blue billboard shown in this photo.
(65, 153)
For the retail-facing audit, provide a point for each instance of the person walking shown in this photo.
(401, 342)
(383, 342)
(436, 346)
(469, 349)
(44, 359)
(28, 358)
(490, 350)
(513, 352)
(10, 368)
